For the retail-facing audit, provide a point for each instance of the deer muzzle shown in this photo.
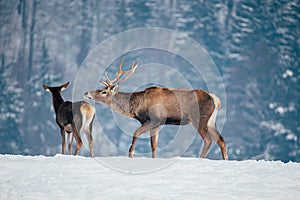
(89, 95)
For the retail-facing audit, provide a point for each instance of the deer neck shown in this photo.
(121, 103)
(57, 101)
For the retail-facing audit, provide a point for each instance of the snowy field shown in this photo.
(69, 177)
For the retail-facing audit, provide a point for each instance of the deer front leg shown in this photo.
(145, 127)
(154, 141)
(70, 141)
(63, 139)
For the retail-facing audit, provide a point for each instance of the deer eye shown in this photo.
(104, 92)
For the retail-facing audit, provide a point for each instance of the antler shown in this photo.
(129, 73)
(117, 80)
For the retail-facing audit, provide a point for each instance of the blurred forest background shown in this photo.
(255, 45)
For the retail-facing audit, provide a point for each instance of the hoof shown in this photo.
(130, 155)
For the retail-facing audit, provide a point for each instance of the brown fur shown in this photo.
(156, 106)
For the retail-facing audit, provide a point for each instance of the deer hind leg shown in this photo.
(88, 133)
(89, 137)
(63, 139)
(70, 141)
(145, 127)
(154, 141)
(207, 142)
(76, 134)
(202, 130)
(218, 138)
(88, 115)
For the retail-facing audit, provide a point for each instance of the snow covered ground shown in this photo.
(69, 177)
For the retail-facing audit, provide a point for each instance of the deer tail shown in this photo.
(213, 117)
(217, 101)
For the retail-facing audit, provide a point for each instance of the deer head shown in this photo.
(56, 94)
(106, 94)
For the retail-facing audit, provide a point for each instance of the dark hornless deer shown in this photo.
(156, 106)
(71, 118)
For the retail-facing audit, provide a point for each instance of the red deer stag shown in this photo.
(156, 106)
(71, 118)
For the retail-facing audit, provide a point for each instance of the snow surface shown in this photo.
(70, 177)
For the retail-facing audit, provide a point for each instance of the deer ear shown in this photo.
(64, 86)
(46, 88)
